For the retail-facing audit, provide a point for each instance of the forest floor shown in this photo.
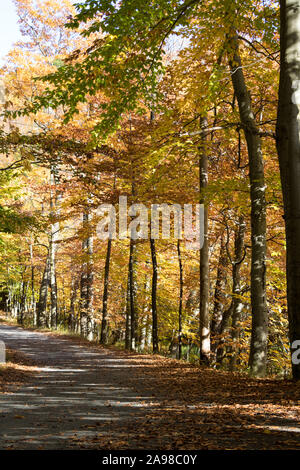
(17, 369)
(76, 395)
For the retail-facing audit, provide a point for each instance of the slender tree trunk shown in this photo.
(219, 303)
(128, 326)
(154, 297)
(53, 246)
(42, 303)
(145, 312)
(205, 351)
(132, 295)
(180, 300)
(63, 302)
(288, 148)
(259, 334)
(235, 308)
(53, 284)
(134, 336)
(237, 303)
(86, 288)
(22, 308)
(9, 291)
(104, 324)
(74, 288)
(33, 304)
(155, 347)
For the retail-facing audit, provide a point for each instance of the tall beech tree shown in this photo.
(104, 323)
(180, 300)
(87, 279)
(154, 297)
(259, 333)
(53, 239)
(219, 297)
(288, 147)
(205, 350)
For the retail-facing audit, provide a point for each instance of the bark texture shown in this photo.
(259, 335)
(42, 303)
(288, 147)
(154, 297)
(205, 352)
(86, 287)
(104, 324)
(180, 300)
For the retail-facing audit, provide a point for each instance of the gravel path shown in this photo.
(77, 389)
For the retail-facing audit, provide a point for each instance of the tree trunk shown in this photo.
(132, 295)
(259, 335)
(219, 302)
(128, 326)
(86, 287)
(180, 300)
(154, 297)
(288, 148)
(237, 303)
(205, 351)
(21, 312)
(53, 284)
(74, 287)
(234, 310)
(53, 246)
(145, 313)
(104, 324)
(42, 303)
(33, 304)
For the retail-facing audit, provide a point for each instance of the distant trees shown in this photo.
(212, 141)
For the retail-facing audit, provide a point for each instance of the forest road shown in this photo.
(76, 391)
(87, 397)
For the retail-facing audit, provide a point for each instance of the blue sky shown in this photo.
(9, 29)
